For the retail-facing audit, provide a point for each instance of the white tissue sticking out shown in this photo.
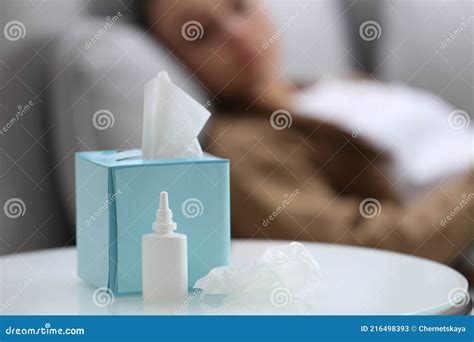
(282, 275)
(172, 121)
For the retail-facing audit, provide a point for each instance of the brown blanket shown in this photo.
(312, 181)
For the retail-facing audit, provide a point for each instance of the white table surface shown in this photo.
(356, 281)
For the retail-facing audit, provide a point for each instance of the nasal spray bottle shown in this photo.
(164, 259)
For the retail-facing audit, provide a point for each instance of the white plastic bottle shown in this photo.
(164, 259)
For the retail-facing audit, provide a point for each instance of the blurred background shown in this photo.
(61, 61)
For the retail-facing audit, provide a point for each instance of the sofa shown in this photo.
(70, 68)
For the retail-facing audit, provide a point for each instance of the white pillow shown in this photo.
(313, 34)
(428, 44)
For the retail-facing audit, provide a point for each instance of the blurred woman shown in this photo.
(340, 161)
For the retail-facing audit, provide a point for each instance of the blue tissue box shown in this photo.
(117, 194)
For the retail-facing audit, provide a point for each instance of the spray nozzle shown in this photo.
(164, 216)
(164, 200)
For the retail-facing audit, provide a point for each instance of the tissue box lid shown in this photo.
(127, 158)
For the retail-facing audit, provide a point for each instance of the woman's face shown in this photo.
(221, 41)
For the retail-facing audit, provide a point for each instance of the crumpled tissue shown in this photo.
(172, 121)
(282, 276)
